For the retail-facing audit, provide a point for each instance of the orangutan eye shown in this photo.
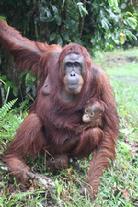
(76, 64)
(69, 64)
(92, 114)
(86, 111)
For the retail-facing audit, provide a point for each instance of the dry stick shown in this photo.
(40, 180)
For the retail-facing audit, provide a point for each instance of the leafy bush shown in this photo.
(110, 25)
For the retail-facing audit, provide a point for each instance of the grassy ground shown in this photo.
(119, 185)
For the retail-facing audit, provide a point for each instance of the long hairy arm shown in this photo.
(106, 149)
(26, 53)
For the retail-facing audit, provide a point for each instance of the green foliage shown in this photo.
(113, 4)
(3, 18)
(6, 108)
(29, 85)
(82, 9)
(113, 26)
(6, 86)
(9, 121)
(101, 24)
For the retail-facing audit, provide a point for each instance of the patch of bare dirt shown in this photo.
(120, 59)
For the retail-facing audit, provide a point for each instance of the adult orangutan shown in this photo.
(68, 81)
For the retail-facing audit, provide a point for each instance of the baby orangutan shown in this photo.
(92, 116)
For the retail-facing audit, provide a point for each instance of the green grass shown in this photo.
(119, 185)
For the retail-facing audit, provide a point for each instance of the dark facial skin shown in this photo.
(73, 66)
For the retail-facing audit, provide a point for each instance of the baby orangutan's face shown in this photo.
(88, 114)
(92, 112)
